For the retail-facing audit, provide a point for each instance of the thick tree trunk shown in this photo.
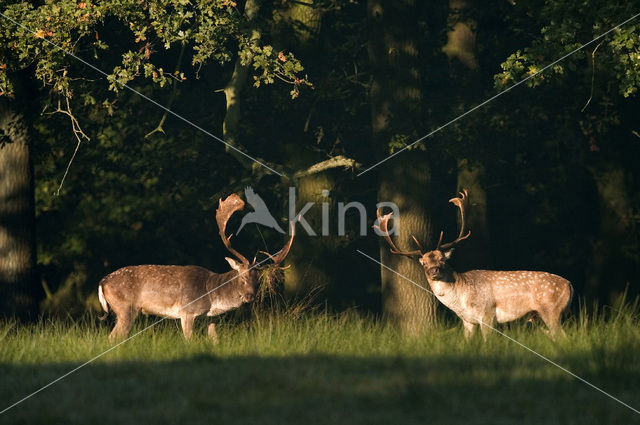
(406, 305)
(233, 92)
(304, 18)
(396, 107)
(308, 273)
(461, 38)
(308, 270)
(607, 274)
(474, 253)
(18, 295)
(461, 46)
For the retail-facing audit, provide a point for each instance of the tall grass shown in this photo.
(290, 364)
(290, 331)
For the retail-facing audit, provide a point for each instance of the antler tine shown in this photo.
(277, 259)
(382, 227)
(417, 243)
(440, 240)
(225, 210)
(462, 203)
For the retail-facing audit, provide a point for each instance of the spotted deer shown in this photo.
(482, 297)
(184, 292)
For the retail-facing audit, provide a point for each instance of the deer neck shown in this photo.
(445, 287)
(217, 282)
(220, 289)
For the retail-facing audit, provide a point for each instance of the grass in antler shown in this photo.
(271, 284)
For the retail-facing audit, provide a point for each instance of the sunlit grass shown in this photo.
(601, 336)
(350, 356)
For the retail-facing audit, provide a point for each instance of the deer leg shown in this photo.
(121, 329)
(469, 329)
(187, 325)
(487, 325)
(124, 319)
(552, 320)
(211, 331)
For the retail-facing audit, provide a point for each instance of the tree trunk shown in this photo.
(406, 305)
(233, 91)
(308, 273)
(607, 272)
(308, 270)
(396, 107)
(18, 296)
(304, 18)
(461, 37)
(461, 46)
(474, 253)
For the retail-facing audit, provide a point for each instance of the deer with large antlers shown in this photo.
(483, 297)
(184, 292)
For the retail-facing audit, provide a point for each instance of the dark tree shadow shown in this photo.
(318, 389)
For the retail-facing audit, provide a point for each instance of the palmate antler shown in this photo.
(382, 228)
(225, 210)
(463, 204)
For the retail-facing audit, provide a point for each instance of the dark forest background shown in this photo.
(93, 177)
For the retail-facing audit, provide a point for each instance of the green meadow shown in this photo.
(317, 367)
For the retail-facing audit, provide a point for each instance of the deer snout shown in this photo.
(433, 271)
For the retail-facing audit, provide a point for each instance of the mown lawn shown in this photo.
(320, 368)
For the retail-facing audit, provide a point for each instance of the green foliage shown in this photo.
(211, 29)
(567, 25)
(284, 68)
(401, 141)
(626, 48)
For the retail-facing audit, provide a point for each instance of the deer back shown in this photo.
(514, 293)
(154, 289)
(516, 283)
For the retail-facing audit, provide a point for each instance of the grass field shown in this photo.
(320, 368)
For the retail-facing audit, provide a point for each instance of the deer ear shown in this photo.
(448, 254)
(233, 263)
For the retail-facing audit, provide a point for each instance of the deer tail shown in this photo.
(571, 293)
(103, 302)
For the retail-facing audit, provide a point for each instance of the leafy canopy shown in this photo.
(214, 30)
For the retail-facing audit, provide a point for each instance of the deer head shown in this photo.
(434, 262)
(247, 271)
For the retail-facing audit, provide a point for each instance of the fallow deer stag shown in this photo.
(482, 297)
(184, 292)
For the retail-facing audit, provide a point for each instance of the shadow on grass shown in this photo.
(317, 389)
